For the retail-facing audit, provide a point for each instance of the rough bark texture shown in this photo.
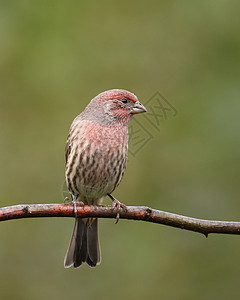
(142, 213)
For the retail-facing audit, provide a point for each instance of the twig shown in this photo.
(130, 212)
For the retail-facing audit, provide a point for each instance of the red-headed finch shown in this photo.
(96, 156)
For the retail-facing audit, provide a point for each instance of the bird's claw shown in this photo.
(117, 205)
(67, 200)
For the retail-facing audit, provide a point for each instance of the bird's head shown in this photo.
(115, 106)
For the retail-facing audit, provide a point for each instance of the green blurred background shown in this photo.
(54, 57)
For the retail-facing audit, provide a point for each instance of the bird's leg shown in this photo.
(118, 205)
(75, 208)
(73, 202)
(76, 203)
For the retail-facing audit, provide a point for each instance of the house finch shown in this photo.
(96, 155)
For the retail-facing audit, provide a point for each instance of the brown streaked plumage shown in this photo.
(96, 156)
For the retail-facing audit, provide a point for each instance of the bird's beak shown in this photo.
(138, 108)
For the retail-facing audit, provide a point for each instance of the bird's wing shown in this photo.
(67, 148)
(77, 127)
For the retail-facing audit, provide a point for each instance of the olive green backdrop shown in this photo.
(54, 57)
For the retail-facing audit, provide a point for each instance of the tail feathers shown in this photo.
(84, 245)
(93, 249)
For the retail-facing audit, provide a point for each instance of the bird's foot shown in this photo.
(75, 205)
(117, 205)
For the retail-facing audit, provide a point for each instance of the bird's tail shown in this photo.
(84, 245)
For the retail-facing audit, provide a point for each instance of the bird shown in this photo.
(96, 156)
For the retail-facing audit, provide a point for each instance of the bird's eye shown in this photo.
(124, 100)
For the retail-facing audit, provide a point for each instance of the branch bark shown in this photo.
(142, 213)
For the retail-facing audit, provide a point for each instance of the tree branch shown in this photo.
(142, 213)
